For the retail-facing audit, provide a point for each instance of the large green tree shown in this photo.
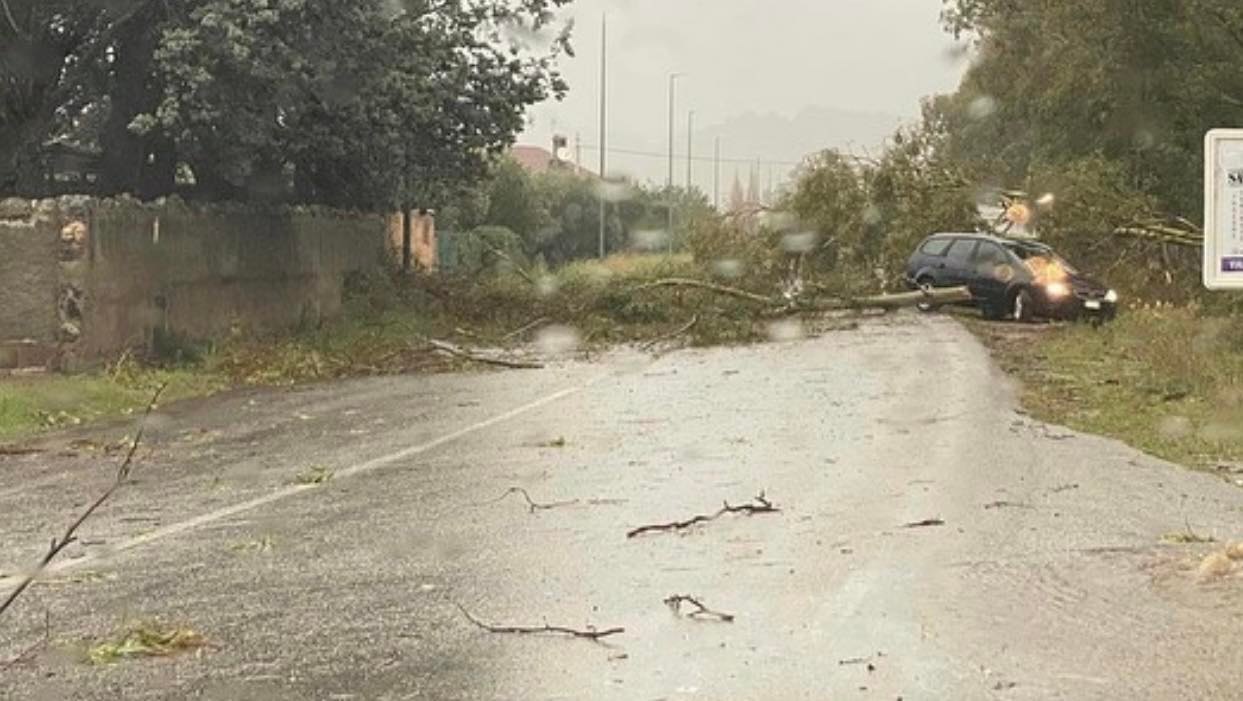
(1135, 81)
(367, 103)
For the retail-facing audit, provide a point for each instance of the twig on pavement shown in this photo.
(925, 523)
(70, 535)
(589, 633)
(675, 603)
(759, 505)
(532, 505)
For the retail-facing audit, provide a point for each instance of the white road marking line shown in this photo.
(290, 490)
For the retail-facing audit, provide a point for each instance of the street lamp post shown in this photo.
(690, 139)
(673, 77)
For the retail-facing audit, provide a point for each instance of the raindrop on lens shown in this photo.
(798, 243)
(649, 239)
(614, 190)
(554, 340)
(546, 286)
(785, 330)
(727, 267)
(982, 107)
(778, 221)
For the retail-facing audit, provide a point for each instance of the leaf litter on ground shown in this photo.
(145, 639)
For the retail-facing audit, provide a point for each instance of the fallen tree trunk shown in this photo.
(936, 296)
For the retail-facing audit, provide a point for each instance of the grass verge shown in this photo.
(1166, 380)
(597, 303)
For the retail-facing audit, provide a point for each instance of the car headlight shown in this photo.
(1057, 290)
(1111, 296)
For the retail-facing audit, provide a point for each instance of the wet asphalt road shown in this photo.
(1047, 579)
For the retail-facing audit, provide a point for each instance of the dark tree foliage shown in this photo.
(360, 103)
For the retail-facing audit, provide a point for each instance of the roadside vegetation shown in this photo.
(1165, 379)
(386, 329)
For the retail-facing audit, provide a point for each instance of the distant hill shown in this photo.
(774, 137)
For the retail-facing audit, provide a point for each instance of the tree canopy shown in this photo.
(368, 103)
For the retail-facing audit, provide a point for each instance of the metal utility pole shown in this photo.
(716, 174)
(604, 75)
(690, 142)
(673, 77)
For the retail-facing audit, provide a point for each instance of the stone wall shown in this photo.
(87, 279)
(424, 250)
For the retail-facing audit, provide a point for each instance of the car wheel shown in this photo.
(1024, 307)
(925, 284)
(993, 311)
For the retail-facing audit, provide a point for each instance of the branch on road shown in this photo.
(673, 334)
(945, 295)
(70, 534)
(928, 522)
(759, 505)
(457, 351)
(589, 633)
(701, 612)
(532, 505)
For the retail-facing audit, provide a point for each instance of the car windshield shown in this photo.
(1043, 259)
(696, 350)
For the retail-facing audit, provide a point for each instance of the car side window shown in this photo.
(961, 251)
(990, 254)
(936, 247)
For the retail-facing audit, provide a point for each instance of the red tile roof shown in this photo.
(536, 160)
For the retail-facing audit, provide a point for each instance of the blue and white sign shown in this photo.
(1223, 209)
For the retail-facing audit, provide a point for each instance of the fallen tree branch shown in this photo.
(675, 603)
(942, 295)
(710, 286)
(533, 505)
(18, 450)
(524, 329)
(759, 505)
(590, 633)
(70, 535)
(457, 351)
(674, 334)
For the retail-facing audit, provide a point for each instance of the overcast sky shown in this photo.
(773, 78)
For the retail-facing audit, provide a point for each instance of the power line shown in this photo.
(705, 159)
